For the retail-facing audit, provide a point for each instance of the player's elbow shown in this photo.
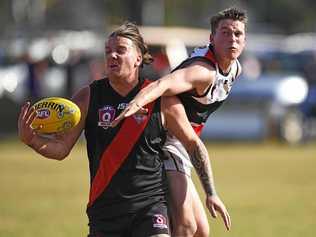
(62, 156)
(63, 153)
(56, 154)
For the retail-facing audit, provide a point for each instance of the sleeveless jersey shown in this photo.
(140, 180)
(199, 107)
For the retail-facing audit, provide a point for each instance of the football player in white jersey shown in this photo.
(202, 83)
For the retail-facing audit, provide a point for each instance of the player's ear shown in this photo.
(211, 38)
(139, 60)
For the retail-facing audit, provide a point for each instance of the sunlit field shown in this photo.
(269, 190)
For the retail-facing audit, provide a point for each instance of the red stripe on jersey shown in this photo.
(197, 128)
(117, 152)
(210, 56)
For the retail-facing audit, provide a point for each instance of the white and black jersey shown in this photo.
(199, 107)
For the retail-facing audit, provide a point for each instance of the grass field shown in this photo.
(269, 190)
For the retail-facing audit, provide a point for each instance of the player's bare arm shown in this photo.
(200, 160)
(197, 76)
(178, 125)
(56, 146)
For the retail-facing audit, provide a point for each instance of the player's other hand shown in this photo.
(132, 108)
(214, 205)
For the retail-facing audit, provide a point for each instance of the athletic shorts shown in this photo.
(177, 158)
(150, 221)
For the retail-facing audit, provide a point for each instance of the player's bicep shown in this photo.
(177, 82)
(197, 76)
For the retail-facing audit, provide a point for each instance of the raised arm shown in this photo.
(56, 146)
(178, 125)
(197, 76)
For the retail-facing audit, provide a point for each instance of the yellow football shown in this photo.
(55, 114)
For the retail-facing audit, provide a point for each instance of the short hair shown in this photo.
(130, 30)
(229, 13)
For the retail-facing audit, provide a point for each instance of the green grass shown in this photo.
(41, 197)
(269, 190)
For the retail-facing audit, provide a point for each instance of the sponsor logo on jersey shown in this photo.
(226, 86)
(106, 116)
(159, 221)
(203, 115)
(122, 106)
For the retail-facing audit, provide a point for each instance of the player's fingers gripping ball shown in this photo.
(55, 114)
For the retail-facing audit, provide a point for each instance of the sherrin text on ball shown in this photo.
(55, 114)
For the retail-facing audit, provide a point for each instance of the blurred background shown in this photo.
(54, 47)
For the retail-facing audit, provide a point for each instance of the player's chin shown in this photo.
(115, 73)
(233, 54)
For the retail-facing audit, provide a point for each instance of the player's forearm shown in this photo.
(149, 93)
(201, 162)
(49, 148)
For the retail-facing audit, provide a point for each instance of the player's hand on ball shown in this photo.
(50, 116)
(214, 205)
(26, 117)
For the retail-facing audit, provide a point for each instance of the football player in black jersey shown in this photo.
(128, 184)
(202, 82)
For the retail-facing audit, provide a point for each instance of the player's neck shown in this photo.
(124, 85)
(225, 65)
(224, 62)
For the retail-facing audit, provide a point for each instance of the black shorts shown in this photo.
(150, 221)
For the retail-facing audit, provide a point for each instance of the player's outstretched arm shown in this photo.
(195, 77)
(56, 146)
(177, 124)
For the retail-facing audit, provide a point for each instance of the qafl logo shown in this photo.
(106, 116)
(43, 113)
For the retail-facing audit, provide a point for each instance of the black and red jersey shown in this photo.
(136, 181)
